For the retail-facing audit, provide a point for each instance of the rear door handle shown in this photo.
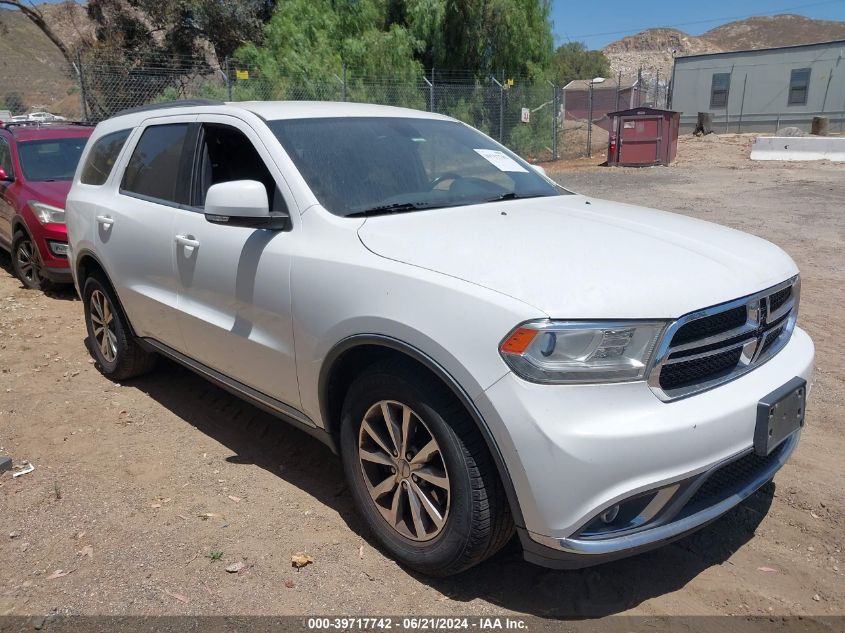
(185, 240)
(105, 220)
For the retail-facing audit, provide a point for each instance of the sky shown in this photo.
(599, 22)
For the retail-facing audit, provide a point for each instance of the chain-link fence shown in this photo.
(522, 114)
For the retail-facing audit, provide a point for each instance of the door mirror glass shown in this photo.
(240, 203)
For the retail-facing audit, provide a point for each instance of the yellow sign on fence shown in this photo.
(242, 74)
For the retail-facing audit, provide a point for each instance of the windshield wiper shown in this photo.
(386, 209)
(512, 195)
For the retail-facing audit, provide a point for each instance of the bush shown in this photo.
(15, 103)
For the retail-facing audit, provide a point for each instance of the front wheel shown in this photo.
(419, 471)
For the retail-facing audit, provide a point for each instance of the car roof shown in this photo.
(267, 110)
(42, 132)
(274, 110)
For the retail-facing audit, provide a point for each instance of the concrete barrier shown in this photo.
(798, 148)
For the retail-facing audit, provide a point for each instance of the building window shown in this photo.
(719, 90)
(799, 86)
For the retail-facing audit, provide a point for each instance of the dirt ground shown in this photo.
(138, 488)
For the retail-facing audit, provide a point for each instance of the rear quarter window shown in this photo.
(6, 157)
(101, 158)
(153, 170)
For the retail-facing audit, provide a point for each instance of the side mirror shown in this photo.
(4, 176)
(539, 169)
(241, 203)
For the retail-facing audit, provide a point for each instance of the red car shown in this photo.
(37, 164)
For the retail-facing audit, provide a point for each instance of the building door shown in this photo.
(640, 140)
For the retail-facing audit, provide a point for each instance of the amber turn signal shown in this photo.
(517, 342)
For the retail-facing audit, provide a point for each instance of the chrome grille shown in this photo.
(712, 346)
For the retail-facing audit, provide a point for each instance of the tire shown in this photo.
(470, 500)
(114, 347)
(26, 261)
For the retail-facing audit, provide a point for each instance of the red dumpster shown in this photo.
(641, 137)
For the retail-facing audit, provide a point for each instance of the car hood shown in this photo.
(53, 193)
(583, 258)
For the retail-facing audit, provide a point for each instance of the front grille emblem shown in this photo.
(753, 348)
(709, 347)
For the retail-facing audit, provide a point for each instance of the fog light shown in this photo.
(609, 515)
(58, 248)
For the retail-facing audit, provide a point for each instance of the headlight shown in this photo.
(46, 213)
(581, 352)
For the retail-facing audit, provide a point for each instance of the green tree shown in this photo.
(152, 29)
(15, 103)
(307, 43)
(574, 61)
(147, 48)
(399, 37)
(483, 36)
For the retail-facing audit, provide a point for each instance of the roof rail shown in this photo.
(180, 103)
(13, 124)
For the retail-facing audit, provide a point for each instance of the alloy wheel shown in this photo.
(404, 470)
(102, 321)
(27, 261)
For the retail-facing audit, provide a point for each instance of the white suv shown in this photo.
(486, 350)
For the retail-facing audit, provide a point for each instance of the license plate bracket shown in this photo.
(779, 415)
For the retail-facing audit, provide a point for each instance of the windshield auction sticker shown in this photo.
(500, 160)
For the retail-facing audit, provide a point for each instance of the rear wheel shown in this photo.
(110, 339)
(419, 471)
(26, 262)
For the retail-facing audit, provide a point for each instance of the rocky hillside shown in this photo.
(32, 66)
(654, 49)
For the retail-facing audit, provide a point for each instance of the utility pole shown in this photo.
(590, 123)
(826, 90)
(656, 88)
(228, 79)
(501, 105)
(639, 83)
(83, 93)
(431, 92)
(728, 100)
(502, 110)
(554, 119)
(618, 89)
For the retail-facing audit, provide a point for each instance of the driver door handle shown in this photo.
(188, 241)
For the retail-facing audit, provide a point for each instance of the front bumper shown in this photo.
(574, 451)
(54, 267)
(57, 275)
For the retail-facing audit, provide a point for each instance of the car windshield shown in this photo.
(53, 159)
(372, 165)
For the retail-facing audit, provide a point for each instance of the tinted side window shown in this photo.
(6, 158)
(101, 158)
(153, 171)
